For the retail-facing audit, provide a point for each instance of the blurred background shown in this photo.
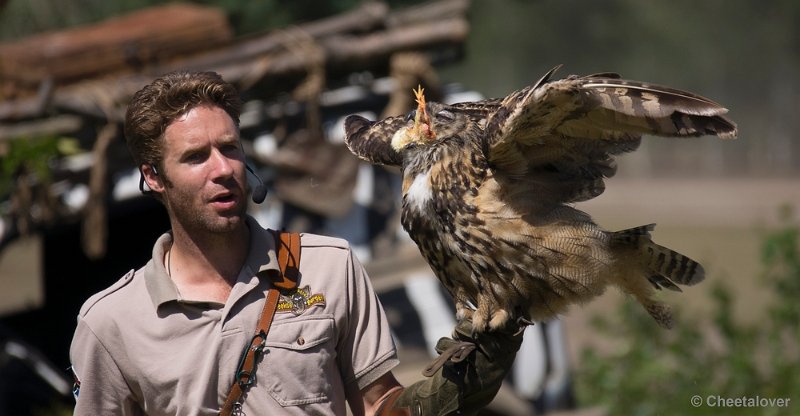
(72, 220)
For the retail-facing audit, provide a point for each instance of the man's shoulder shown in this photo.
(110, 295)
(307, 240)
(317, 240)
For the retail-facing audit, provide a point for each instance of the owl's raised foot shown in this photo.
(499, 319)
(486, 318)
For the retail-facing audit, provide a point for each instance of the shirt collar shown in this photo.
(261, 259)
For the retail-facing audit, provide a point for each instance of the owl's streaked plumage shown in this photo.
(487, 188)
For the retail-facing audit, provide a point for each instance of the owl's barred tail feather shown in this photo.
(664, 269)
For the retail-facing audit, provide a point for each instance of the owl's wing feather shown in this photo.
(612, 106)
(371, 140)
(479, 111)
(560, 137)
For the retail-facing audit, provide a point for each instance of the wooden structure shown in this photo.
(77, 83)
(361, 39)
(121, 43)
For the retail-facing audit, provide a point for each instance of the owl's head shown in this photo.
(428, 125)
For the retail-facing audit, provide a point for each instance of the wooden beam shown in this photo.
(61, 124)
(345, 46)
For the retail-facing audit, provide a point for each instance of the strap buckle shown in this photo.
(246, 371)
(457, 352)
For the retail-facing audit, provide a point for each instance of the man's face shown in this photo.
(204, 182)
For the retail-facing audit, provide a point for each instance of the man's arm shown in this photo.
(463, 380)
(367, 400)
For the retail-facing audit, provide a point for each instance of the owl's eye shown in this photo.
(446, 115)
(410, 116)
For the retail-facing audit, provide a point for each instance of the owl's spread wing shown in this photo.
(372, 140)
(560, 136)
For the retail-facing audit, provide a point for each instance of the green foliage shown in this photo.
(28, 155)
(779, 254)
(657, 372)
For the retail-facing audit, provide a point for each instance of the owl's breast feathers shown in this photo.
(441, 209)
(437, 205)
(441, 186)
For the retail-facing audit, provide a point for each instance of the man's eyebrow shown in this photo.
(191, 148)
(230, 138)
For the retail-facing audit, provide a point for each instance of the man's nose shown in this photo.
(222, 164)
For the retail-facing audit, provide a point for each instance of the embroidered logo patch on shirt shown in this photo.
(298, 300)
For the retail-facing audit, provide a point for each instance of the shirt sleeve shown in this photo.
(100, 387)
(367, 348)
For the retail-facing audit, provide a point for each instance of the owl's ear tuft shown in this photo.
(354, 123)
(371, 141)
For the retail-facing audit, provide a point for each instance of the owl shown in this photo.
(488, 189)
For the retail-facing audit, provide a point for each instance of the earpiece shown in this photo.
(259, 190)
(142, 183)
(257, 185)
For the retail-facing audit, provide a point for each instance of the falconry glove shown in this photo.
(464, 378)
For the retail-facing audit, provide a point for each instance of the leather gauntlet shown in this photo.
(464, 378)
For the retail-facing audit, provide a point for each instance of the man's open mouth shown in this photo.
(224, 198)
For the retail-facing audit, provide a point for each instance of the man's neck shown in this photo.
(204, 266)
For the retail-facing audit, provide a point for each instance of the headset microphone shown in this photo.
(257, 185)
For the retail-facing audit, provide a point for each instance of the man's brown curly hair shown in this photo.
(157, 105)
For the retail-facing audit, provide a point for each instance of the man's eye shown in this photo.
(230, 149)
(194, 158)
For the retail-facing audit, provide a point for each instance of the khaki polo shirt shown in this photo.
(140, 348)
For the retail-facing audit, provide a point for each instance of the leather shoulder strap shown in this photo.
(288, 253)
(287, 248)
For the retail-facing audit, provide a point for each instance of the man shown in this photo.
(167, 338)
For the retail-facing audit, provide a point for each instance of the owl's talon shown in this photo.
(523, 321)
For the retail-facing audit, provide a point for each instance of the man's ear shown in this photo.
(152, 178)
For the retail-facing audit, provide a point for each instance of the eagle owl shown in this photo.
(488, 186)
